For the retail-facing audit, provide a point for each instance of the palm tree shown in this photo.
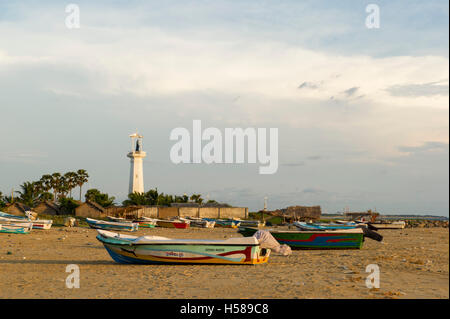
(29, 194)
(46, 182)
(2, 200)
(81, 178)
(56, 184)
(152, 196)
(71, 181)
(197, 198)
(136, 199)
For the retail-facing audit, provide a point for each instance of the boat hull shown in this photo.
(388, 226)
(126, 253)
(98, 224)
(146, 224)
(172, 224)
(15, 229)
(314, 239)
(44, 224)
(224, 223)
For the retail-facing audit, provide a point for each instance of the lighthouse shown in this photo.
(136, 171)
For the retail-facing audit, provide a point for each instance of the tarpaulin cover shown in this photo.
(266, 240)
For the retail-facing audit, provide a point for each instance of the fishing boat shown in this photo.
(42, 224)
(252, 223)
(198, 222)
(322, 226)
(10, 216)
(102, 224)
(30, 218)
(226, 223)
(36, 224)
(368, 231)
(161, 250)
(146, 222)
(119, 219)
(389, 225)
(18, 228)
(173, 223)
(324, 239)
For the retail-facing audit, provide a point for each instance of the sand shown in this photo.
(414, 263)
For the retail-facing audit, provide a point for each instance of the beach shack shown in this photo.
(90, 209)
(17, 209)
(47, 208)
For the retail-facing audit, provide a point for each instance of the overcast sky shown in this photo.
(362, 113)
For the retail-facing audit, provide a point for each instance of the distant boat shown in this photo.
(198, 222)
(175, 223)
(18, 228)
(161, 250)
(251, 223)
(388, 225)
(42, 224)
(119, 219)
(146, 222)
(227, 223)
(323, 239)
(101, 224)
(36, 223)
(10, 216)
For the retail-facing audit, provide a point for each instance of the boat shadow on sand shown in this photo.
(59, 262)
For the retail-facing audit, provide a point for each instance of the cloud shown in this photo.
(315, 157)
(22, 157)
(308, 85)
(351, 91)
(422, 89)
(293, 164)
(312, 190)
(427, 146)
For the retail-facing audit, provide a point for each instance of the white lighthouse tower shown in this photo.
(136, 171)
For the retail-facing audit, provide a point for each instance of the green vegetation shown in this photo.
(153, 197)
(58, 187)
(68, 205)
(103, 199)
(3, 200)
(49, 187)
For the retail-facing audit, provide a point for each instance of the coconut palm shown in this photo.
(29, 194)
(136, 199)
(46, 182)
(70, 179)
(56, 184)
(81, 178)
(197, 198)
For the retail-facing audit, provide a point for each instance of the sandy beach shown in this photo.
(414, 263)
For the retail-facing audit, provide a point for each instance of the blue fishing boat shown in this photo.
(320, 226)
(337, 227)
(18, 228)
(161, 250)
(10, 216)
(102, 224)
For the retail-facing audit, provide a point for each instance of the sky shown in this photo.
(362, 113)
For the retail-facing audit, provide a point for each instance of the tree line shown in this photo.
(50, 187)
(153, 197)
(58, 188)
